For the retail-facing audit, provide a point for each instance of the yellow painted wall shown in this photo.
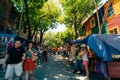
(116, 6)
(88, 32)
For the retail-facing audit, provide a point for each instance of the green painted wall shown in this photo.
(95, 30)
(104, 28)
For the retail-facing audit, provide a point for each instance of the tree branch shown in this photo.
(28, 20)
(81, 18)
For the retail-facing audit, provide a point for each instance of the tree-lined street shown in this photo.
(55, 69)
(92, 23)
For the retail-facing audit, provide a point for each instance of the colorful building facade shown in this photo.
(9, 18)
(109, 16)
(113, 16)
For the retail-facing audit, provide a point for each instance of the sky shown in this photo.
(62, 27)
(103, 1)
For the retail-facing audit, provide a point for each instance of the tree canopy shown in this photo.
(75, 11)
(39, 15)
(57, 39)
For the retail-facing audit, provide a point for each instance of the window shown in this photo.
(110, 10)
(92, 22)
(113, 31)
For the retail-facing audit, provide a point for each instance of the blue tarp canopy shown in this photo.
(23, 40)
(9, 35)
(103, 45)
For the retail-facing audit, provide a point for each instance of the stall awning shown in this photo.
(104, 45)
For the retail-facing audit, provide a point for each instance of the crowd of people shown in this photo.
(21, 59)
(81, 58)
(80, 54)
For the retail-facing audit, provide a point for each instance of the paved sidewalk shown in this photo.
(56, 69)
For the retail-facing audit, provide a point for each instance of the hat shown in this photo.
(83, 45)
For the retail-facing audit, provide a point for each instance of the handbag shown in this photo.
(34, 58)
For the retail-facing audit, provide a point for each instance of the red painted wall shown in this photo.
(87, 24)
(113, 22)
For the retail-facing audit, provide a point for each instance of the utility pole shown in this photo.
(97, 14)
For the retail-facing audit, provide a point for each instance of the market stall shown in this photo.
(5, 39)
(105, 47)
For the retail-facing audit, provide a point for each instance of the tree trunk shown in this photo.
(28, 20)
(75, 27)
(35, 36)
(41, 37)
(35, 29)
(21, 17)
(7, 16)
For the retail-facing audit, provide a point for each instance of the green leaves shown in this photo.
(52, 10)
(18, 4)
(56, 39)
(75, 12)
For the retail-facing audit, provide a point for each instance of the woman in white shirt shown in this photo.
(85, 60)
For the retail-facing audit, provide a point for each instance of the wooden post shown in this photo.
(97, 14)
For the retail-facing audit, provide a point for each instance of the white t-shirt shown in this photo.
(85, 57)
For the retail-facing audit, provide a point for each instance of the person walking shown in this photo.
(14, 58)
(29, 64)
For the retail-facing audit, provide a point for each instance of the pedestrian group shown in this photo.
(19, 59)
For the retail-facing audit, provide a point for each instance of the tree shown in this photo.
(39, 16)
(57, 39)
(50, 11)
(7, 14)
(31, 12)
(53, 41)
(67, 35)
(75, 14)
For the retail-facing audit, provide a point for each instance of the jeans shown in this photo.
(78, 65)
